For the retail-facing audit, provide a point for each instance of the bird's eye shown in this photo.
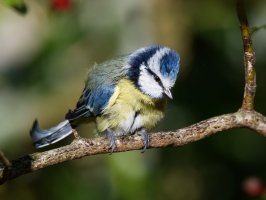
(157, 79)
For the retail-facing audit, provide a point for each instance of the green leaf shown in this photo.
(18, 5)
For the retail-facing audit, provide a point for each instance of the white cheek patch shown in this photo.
(148, 85)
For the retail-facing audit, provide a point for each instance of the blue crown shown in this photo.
(169, 64)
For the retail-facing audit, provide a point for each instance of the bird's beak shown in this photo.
(168, 93)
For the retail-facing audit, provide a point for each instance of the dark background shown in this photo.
(44, 56)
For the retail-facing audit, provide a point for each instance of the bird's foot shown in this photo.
(145, 137)
(112, 139)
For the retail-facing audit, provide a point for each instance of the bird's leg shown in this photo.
(112, 139)
(145, 137)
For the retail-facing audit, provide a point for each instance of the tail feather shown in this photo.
(42, 138)
(79, 115)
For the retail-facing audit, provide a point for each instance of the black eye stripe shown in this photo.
(156, 78)
(153, 74)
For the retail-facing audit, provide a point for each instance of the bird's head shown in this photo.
(154, 70)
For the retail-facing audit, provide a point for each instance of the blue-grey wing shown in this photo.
(99, 88)
(97, 99)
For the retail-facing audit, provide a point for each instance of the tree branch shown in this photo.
(245, 117)
(249, 58)
(88, 147)
(4, 160)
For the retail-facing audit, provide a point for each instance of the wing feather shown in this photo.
(99, 88)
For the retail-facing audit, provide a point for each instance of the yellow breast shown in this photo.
(129, 109)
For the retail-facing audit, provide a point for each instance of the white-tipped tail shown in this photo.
(42, 138)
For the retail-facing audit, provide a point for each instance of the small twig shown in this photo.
(76, 134)
(257, 28)
(249, 59)
(4, 160)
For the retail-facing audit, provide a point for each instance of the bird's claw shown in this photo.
(146, 140)
(112, 139)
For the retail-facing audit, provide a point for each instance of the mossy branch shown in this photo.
(249, 58)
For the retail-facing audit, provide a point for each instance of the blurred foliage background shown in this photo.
(44, 56)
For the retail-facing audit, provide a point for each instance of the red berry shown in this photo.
(61, 5)
(253, 186)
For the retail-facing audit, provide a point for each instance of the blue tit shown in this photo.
(124, 95)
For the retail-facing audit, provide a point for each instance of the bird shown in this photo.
(124, 96)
